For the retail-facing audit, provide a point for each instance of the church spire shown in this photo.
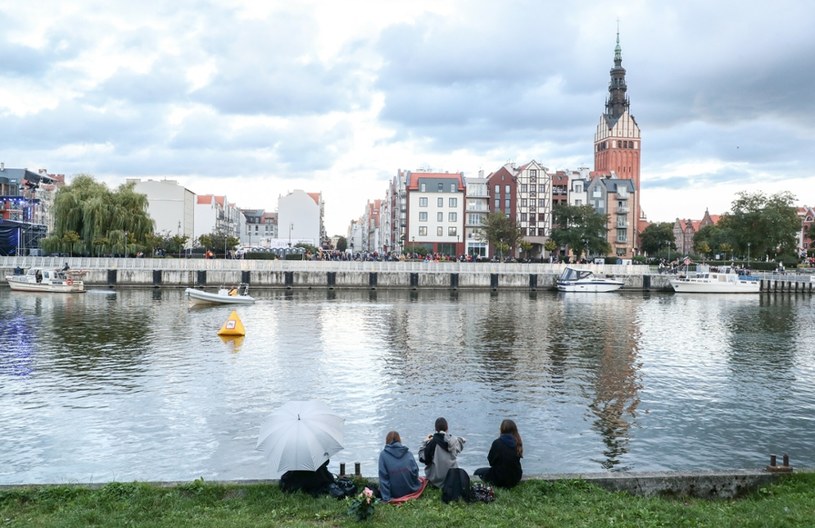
(617, 102)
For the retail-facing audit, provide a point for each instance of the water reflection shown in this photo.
(94, 388)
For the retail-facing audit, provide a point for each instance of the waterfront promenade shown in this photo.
(293, 274)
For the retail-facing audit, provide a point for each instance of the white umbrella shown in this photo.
(301, 435)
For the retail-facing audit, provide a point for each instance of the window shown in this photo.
(524, 188)
(475, 219)
(523, 202)
(423, 216)
(440, 202)
(439, 217)
(542, 188)
(533, 173)
(497, 189)
(523, 217)
(439, 231)
(622, 235)
(424, 187)
(452, 231)
(453, 202)
(506, 204)
(542, 202)
(578, 188)
(452, 217)
(541, 231)
(497, 204)
(423, 201)
(452, 187)
(578, 202)
(440, 187)
(506, 189)
(422, 230)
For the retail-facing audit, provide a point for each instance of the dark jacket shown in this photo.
(505, 464)
(314, 482)
(398, 472)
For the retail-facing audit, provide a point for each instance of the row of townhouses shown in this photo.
(27, 197)
(443, 212)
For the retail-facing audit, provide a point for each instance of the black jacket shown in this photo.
(505, 465)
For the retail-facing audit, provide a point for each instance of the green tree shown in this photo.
(89, 209)
(219, 243)
(342, 244)
(657, 238)
(580, 229)
(500, 232)
(768, 223)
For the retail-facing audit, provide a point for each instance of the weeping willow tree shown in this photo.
(105, 221)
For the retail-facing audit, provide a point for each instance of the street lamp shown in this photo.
(748, 254)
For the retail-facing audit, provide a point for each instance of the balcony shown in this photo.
(622, 210)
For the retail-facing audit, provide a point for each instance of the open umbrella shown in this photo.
(301, 435)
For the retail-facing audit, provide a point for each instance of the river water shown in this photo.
(137, 386)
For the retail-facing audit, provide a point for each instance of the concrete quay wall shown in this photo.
(278, 274)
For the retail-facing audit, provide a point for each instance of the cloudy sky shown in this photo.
(255, 99)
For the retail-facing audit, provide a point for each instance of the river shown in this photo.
(135, 385)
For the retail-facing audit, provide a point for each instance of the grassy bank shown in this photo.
(789, 503)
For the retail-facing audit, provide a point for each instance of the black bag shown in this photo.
(456, 486)
(342, 487)
(482, 493)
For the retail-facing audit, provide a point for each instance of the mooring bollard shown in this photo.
(785, 466)
(357, 470)
(342, 469)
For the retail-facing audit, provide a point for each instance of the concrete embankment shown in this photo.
(278, 274)
(146, 272)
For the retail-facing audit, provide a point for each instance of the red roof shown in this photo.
(413, 184)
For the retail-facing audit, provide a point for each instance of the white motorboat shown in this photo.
(584, 280)
(48, 280)
(716, 280)
(239, 295)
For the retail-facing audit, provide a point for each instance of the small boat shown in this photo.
(239, 295)
(48, 280)
(584, 280)
(717, 280)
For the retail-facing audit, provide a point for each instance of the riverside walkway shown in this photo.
(414, 275)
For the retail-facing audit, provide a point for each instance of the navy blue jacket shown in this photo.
(398, 472)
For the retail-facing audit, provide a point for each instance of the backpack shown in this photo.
(456, 486)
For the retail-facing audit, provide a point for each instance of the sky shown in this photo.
(253, 100)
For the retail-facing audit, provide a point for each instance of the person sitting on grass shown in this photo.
(439, 452)
(504, 457)
(398, 471)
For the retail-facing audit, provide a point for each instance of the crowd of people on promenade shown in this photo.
(398, 469)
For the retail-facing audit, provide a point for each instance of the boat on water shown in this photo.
(584, 280)
(47, 280)
(717, 280)
(239, 295)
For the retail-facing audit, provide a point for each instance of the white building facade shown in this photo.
(299, 216)
(170, 205)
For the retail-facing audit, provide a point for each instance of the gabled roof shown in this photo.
(315, 196)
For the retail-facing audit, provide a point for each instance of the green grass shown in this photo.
(788, 503)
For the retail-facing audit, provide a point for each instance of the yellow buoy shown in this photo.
(233, 326)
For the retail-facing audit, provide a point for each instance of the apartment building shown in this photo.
(435, 212)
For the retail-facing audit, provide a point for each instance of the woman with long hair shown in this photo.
(504, 457)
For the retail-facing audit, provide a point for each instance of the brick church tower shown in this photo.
(617, 143)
